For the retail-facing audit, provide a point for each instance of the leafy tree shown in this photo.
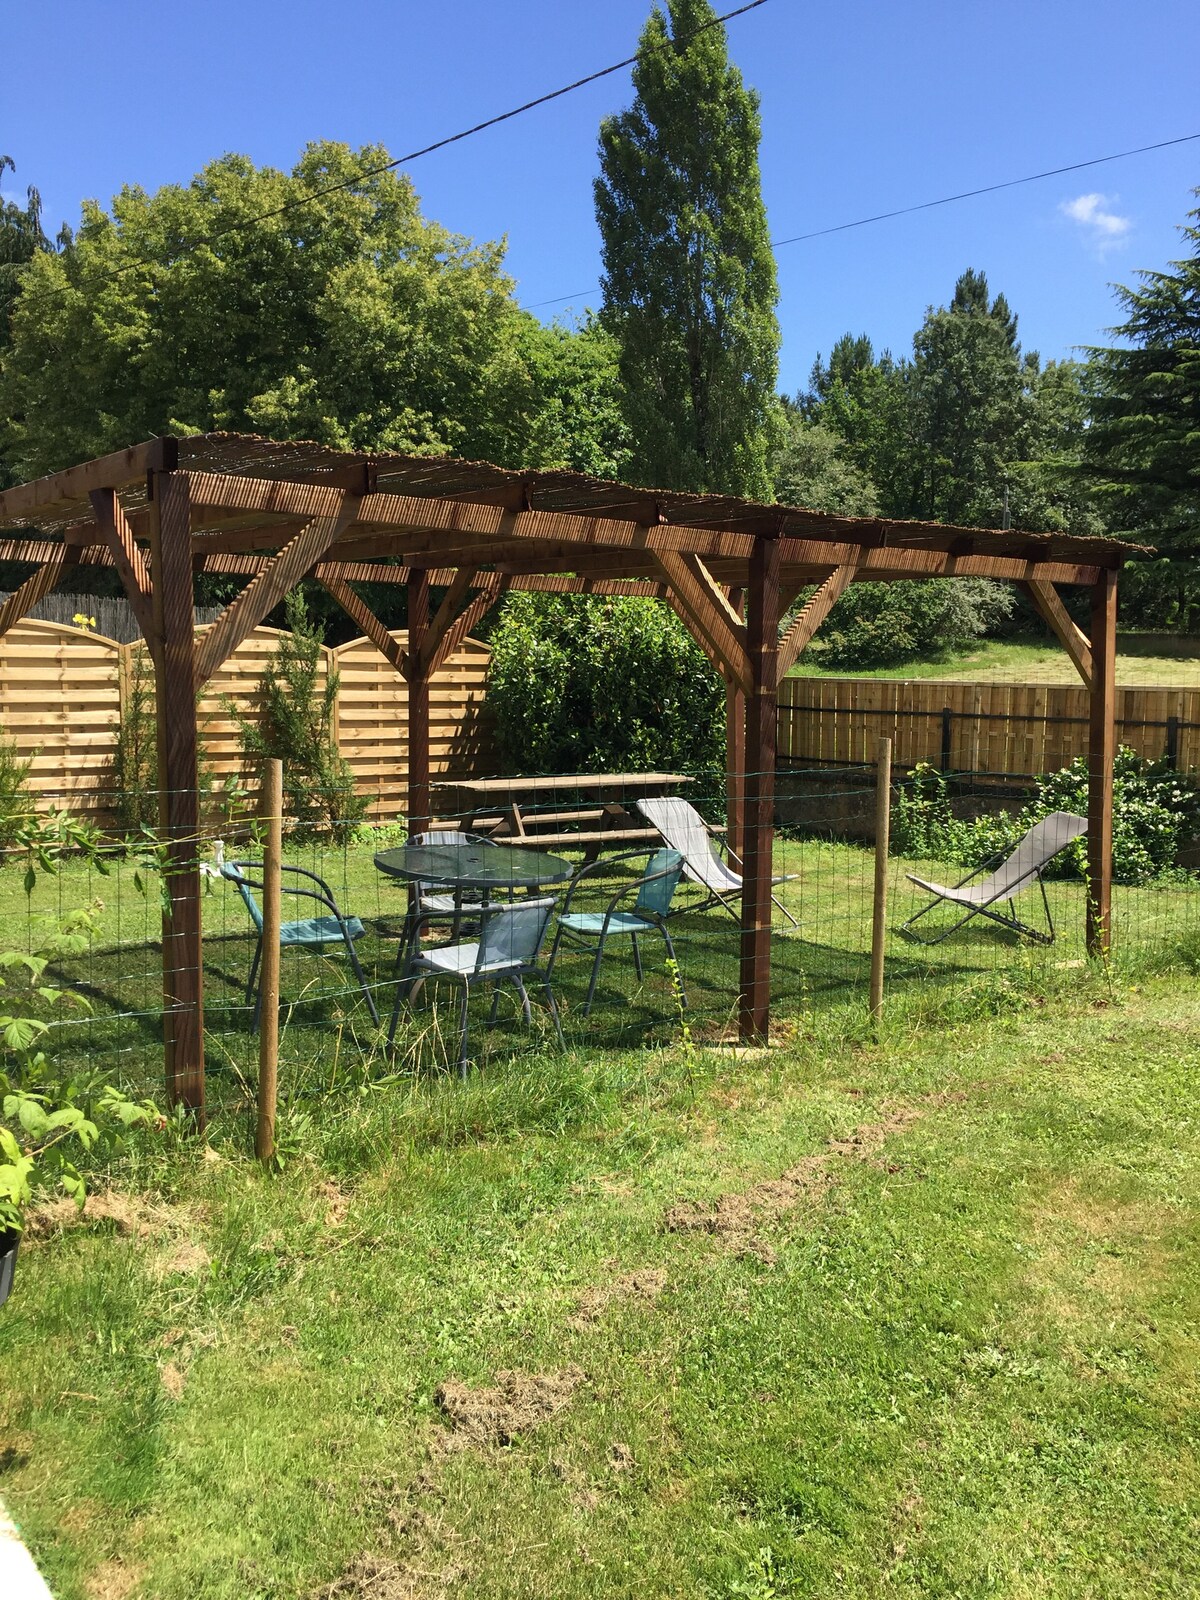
(579, 422)
(349, 319)
(885, 624)
(814, 469)
(1143, 447)
(21, 237)
(583, 684)
(689, 276)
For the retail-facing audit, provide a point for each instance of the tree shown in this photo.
(689, 278)
(1143, 447)
(226, 304)
(21, 237)
(814, 469)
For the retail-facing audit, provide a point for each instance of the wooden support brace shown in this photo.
(264, 592)
(36, 587)
(363, 617)
(800, 635)
(460, 588)
(127, 557)
(491, 587)
(1102, 750)
(706, 610)
(1074, 641)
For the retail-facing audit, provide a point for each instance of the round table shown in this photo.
(487, 867)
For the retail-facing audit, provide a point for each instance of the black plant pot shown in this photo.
(9, 1240)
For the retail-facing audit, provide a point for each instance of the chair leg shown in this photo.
(683, 999)
(779, 905)
(526, 1010)
(463, 1023)
(362, 980)
(495, 1011)
(253, 970)
(256, 1018)
(591, 994)
(637, 959)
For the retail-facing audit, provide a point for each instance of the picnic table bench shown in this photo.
(581, 810)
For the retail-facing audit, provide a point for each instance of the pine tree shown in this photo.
(689, 276)
(1143, 447)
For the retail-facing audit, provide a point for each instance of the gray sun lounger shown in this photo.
(683, 830)
(1022, 868)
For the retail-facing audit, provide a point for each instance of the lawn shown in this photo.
(917, 1318)
(1009, 661)
(656, 1317)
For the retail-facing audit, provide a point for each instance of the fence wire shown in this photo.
(99, 921)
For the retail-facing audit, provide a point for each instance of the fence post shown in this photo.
(947, 737)
(271, 811)
(883, 819)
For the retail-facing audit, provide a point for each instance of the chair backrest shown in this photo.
(682, 826)
(233, 871)
(513, 934)
(450, 836)
(1039, 846)
(660, 881)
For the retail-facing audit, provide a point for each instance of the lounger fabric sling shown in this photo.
(683, 829)
(1017, 872)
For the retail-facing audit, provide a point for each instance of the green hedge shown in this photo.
(580, 683)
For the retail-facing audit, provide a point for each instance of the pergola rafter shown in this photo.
(277, 512)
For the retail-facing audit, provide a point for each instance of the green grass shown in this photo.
(955, 1355)
(1010, 661)
(967, 1365)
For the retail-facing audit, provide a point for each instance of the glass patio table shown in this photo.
(485, 867)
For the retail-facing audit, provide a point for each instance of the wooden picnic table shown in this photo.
(586, 810)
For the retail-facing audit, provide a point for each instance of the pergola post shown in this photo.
(179, 797)
(1102, 749)
(418, 676)
(735, 747)
(762, 638)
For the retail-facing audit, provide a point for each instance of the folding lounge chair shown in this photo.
(683, 829)
(1039, 847)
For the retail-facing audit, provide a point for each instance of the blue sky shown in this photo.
(866, 106)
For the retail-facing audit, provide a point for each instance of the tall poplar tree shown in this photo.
(689, 276)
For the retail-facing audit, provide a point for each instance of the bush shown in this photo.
(135, 759)
(585, 684)
(16, 801)
(295, 726)
(885, 624)
(1156, 810)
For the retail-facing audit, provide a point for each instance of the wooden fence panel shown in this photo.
(61, 694)
(60, 704)
(998, 729)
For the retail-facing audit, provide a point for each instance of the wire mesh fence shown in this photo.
(98, 917)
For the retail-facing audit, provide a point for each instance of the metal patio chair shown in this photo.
(648, 914)
(311, 933)
(506, 951)
(428, 903)
(1022, 867)
(684, 829)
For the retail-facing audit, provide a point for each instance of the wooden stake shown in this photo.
(1102, 750)
(271, 812)
(735, 749)
(418, 704)
(883, 828)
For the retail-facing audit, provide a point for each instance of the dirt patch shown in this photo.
(641, 1287)
(130, 1215)
(336, 1202)
(375, 1578)
(1097, 1256)
(174, 1380)
(517, 1403)
(112, 1580)
(735, 1219)
(184, 1259)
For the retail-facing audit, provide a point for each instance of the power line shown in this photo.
(929, 205)
(189, 246)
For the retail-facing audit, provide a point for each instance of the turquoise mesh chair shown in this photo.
(591, 930)
(311, 933)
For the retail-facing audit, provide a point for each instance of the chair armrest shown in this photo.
(597, 866)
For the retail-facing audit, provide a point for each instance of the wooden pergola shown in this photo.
(277, 512)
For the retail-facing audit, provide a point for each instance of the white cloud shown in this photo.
(1100, 223)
